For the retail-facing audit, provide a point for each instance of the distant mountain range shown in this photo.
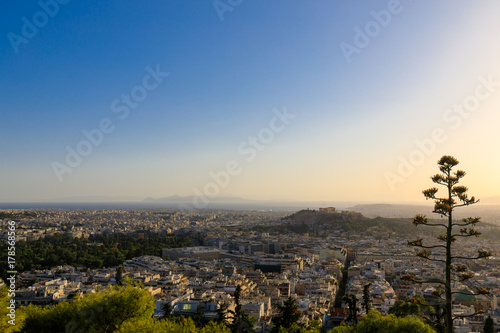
(232, 202)
(96, 198)
(191, 198)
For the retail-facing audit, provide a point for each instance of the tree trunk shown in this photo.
(449, 318)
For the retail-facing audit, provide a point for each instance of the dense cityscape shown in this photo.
(270, 255)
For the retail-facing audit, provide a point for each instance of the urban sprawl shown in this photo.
(261, 252)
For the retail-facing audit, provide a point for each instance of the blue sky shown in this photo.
(355, 121)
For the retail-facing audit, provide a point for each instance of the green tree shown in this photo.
(366, 298)
(352, 303)
(222, 314)
(179, 325)
(198, 318)
(116, 309)
(489, 325)
(119, 275)
(415, 306)
(56, 250)
(167, 310)
(241, 322)
(403, 309)
(456, 196)
(287, 315)
(296, 328)
(103, 311)
(339, 297)
(374, 322)
(436, 318)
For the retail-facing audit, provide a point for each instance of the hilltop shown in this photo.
(325, 222)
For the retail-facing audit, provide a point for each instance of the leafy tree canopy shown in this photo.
(374, 322)
(103, 311)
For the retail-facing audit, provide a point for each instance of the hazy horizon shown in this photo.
(488, 201)
(309, 102)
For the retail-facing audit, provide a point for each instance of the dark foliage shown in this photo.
(95, 252)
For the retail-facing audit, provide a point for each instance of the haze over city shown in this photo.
(281, 100)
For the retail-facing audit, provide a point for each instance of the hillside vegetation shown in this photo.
(323, 224)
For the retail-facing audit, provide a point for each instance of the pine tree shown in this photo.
(241, 321)
(489, 325)
(456, 196)
(287, 314)
(222, 313)
(119, 276)
(366, 298)
(167, 310)
(352, 302)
